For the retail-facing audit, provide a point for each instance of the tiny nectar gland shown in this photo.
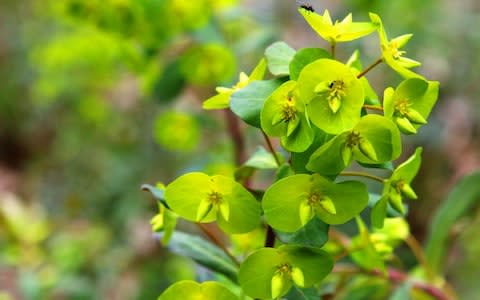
(353, 139)
(288, 109)
(393, 48)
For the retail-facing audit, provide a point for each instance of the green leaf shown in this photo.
(327, 160)
(407, 170)
(303, 57)
(186, 194)
(281, 202)
(300, 160)
(343, 87)
(157, 193)
(379, 212)
(297, 293)
(262, 159)
(257, 271)
(313, 234)
(279, 55)
(187, 289)
(203, 253)
(248, 102)
(459, 202)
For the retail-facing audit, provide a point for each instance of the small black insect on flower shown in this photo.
(307, 6)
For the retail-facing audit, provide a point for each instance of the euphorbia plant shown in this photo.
(327, 118)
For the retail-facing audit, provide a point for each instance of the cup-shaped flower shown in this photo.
(283, 115)
(410, 104)
(333, 94)
(269, 273)
(292, 202)
(338, 31)
(192, 290)
(222, 99)
(374, 139)
(391, 53)
(201, 198)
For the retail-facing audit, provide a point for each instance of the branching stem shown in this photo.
(361, 174)
(373, 107)
(217, 242)
(271, 149)
(377, 62)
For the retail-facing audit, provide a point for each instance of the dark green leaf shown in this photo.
(461, 200)
(170, 84)
(203, 253)
(248, 102)
(314, 234)
(157, 193)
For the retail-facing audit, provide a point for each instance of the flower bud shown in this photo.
(224, 209)
(279, 282)
(346, 155)
(297, 277)
(334, 103)
(415, 117)
(407, 191)
(277, 118)
(203, 209)
(396, 202)
(306, 212)
(327, 204)
(292, 125)
(322, 87)
(367, 149)
(405, 126)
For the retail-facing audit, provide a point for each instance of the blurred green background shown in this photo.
(100, 96)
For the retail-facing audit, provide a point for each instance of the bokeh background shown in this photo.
(100, 96)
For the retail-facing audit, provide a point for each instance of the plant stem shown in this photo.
(270, 237)
(271, 149)
(417, 251)
(373, 107)
(377, 62)
(236, 136)
(217, 242)
(333, 47)
(395, 276)
(361, 174)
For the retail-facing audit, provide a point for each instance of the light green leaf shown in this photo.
(187, 289)
(248, 102)
(344, 88)
(279, 55)
(363, 250)
(379, 212)
(303, 57)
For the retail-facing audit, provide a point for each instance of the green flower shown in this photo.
(391, 53)
(337, 32)
(333, 94)
(222, 99)
(283, 114)
(410, 104)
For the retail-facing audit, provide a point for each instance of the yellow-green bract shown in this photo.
(190, 290)
(201, 198)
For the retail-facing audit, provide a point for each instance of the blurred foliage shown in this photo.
(97, 97)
